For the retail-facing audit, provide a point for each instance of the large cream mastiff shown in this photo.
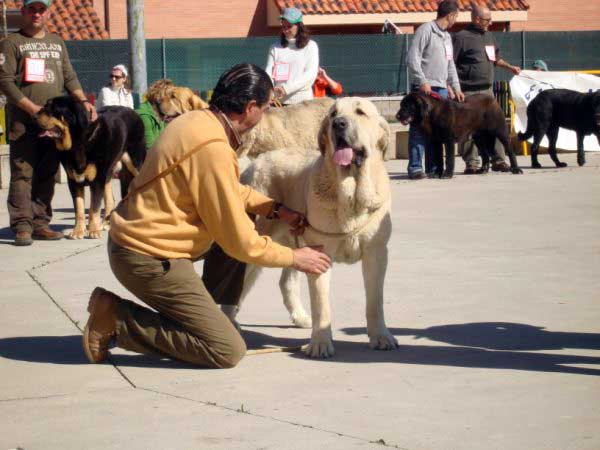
(345, 193)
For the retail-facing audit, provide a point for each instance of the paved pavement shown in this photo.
(492, 291)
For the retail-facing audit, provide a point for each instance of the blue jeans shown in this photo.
(419, 145)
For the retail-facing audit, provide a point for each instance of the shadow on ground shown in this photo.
(479, 345)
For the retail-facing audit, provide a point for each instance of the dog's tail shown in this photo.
(126, 159)
(528, 132)
(524, 136)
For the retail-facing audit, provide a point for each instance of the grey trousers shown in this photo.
(188, 325)
(468, 150)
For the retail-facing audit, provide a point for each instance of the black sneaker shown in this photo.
(416, 176)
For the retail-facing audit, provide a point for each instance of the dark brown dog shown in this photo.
(449, 123)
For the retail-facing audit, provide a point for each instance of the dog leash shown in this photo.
(169, 169)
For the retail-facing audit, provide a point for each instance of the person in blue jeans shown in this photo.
(431, 69)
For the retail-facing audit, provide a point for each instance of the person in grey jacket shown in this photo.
(431, 69)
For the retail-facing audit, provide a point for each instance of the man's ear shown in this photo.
(249, 106)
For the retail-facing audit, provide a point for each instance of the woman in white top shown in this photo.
(117, 93)
(293, 63)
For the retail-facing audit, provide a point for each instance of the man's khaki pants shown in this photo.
(468, 150)
(189, 325)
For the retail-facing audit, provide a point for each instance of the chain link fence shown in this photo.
(364, 64)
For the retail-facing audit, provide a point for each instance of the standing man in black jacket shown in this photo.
(475, 55)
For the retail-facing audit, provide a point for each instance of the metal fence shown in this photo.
(364, 64)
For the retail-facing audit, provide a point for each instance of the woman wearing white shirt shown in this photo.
(117, 93)
(293, 63)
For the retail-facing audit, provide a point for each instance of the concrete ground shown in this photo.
(492, 290)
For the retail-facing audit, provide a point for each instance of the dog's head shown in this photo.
(64, 120)
(353, 132)
(176, 101)
(414, 107)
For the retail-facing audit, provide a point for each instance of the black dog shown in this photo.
(556, 108)
(89, 152)
(449, 123)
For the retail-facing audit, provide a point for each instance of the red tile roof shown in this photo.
(317, 7)
(74, 20)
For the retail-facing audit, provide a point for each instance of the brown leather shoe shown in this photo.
(46, 234)
(101, 326)
(500, 167)
(23, 238)
(471, 170)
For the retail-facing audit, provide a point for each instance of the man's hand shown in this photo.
(460, 96)
(311, 260)
(91, 110)
(425, 88)
(451, 94)
(33, 110)
(294, 219)
(515, 69)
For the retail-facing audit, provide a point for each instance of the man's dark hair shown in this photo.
(446, 7)
(240, 85)
(302, 38)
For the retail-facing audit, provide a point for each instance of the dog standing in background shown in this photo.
(555, 108)
(448, 122)
(89, 153)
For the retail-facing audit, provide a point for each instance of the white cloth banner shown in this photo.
(530, 83)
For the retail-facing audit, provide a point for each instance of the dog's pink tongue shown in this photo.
(343, 156)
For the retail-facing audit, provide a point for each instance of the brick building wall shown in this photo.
(561, 15)
(241, 18)
(193, 19)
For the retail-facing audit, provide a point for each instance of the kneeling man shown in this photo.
(187, 197)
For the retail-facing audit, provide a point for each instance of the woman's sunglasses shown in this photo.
(116, 77)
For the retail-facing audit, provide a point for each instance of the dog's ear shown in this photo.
(197, 103)
(384, 137)
(423, 108)
(323, 134)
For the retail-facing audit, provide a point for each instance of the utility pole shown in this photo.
(137, 46)
(4, 27)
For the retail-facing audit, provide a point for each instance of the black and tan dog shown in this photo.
(450, 123)
(555, 108)
(89, 151)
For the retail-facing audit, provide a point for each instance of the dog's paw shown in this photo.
(581, 162)
(562, 164)
(516, 170)
(106, 223)
(95, 234)
(320, 346)
(301, 320)
(79, 232)
(383, 341)
(536, 165)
